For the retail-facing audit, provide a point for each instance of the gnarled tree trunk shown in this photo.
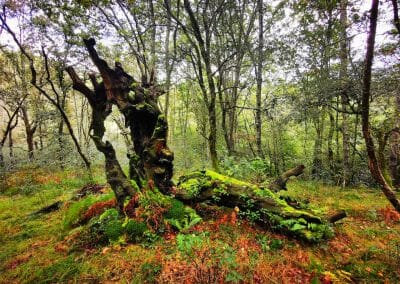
(151, 159)
(137, 101)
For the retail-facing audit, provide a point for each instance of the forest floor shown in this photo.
(40, 249)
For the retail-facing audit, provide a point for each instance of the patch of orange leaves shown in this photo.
(390, 215)
(98, 208)
(226, 219)
(47, 178)
(131, 206)
(22, 177)
(266, 272)
(202, 268)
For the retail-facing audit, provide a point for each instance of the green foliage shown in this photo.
(135, 231)
(268, 244)
(102, 230)
(176, 211)
(187, 243)
(77, 209)
(263, 241)
(150, 271)
(111, 224)
(189, 220)
(310, 231)
(254, 169)
(149, 239)
(192, 187)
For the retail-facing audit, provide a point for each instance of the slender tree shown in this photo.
(373, 164)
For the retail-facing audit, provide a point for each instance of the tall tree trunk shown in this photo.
(366, 90)
(11, 145)
(394, 144)
(153, 59)
(60, 136)
(330, 156)
(317, 166)
(30, 130)
(168, 66)
(259, 70)
(344, 96)
(224, 105)
(2, 164)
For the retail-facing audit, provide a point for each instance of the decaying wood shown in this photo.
(280, 182)
(263, 205)
(337, 216)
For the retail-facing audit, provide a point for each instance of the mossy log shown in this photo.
(258, 204)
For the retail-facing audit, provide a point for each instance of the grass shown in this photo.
(40, 249)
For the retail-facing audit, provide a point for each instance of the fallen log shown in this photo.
(257, 204)
(48, 209)
(337, 216)
(280, 182)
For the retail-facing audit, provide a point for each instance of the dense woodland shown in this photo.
(148, 125)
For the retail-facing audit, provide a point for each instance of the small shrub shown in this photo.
(187, 243)
(181, 217)
(135, 230)
(176, 211)
(113, 230)
(276, 244)
(150, 270)
(103, 229)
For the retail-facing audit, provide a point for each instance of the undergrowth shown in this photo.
(149, 248)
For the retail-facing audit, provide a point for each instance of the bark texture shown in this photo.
(137, 101)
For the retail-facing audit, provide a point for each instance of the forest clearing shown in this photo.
(242, 141)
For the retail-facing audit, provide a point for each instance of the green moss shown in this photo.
(113, 230)
(181, 217)
(77, 209)
(216, 176)
(191, 187)
(302, 223)
(60, 271)
(135, 230)
(177, 210)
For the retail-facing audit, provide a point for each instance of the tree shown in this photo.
(343, 77)
(259, 72)
(198, 29)
(373, 164)
(56, 100)
(152, 162)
